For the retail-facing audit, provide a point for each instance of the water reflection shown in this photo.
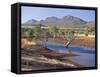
(87, 55)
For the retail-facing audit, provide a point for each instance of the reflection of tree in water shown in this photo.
(69, 50)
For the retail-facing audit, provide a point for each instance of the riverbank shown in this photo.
(79, 41)
(44, 58)
(82, 41)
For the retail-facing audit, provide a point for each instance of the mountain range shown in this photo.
(66, 21)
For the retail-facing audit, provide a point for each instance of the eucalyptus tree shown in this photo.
(31, 33)
(37, 30)
(54, 30)
(69, 37)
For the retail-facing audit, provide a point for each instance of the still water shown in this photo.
(86, 55)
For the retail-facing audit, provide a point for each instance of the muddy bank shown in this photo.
(54, 54)
(44, 58)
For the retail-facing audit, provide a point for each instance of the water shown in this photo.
(86, 58)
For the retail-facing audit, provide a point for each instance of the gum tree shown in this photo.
(37, 30)
(54, 30)
(69, 37)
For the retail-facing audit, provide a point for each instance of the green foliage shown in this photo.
(23, 30)
(54, 29)
(30, 32)
(70, 35)
(37, 29)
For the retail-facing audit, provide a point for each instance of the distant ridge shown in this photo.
(66, 21)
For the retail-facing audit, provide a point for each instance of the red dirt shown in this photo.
(77, 42)
(84, 43)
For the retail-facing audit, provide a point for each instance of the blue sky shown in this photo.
(40, 13)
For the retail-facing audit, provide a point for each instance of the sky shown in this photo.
(41, 13)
